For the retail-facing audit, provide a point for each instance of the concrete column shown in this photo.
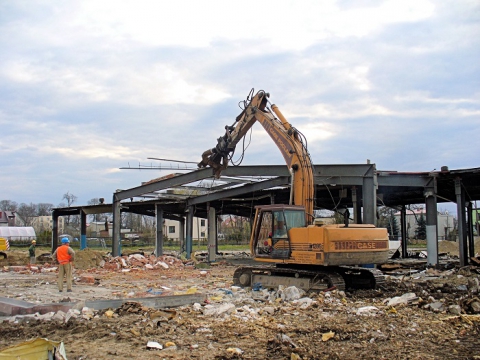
(403, 225)
(370, 197)
(189, 235)
(212, 234)
(54, 230)
(83, 230)
(117, 222)
(431, 226)
(462, 226)
(159, 234)
(471, 240)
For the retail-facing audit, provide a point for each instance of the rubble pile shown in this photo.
(434, 314)
(139, 261)
(418, 313)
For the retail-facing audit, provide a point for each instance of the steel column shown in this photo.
(403, 225)
(54, 230)
(471, 240)
(159, 233)
(217, 222)
(431, 226)
(181, 234)
(189, 237)
(462, 231)
(370, 197)
(117, 221)
(212, 233)
(356, 207)
(83, 230)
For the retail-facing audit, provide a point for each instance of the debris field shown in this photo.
(418, 314)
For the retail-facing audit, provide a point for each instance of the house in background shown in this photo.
(445, 222)
(476, 221)
(171, 229)
(10, 218)
(44, 223)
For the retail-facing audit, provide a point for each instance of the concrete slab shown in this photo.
(157, 302)
(10, 307)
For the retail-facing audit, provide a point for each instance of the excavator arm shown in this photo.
(288, 140)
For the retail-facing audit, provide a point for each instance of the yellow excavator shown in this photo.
(4, 246)
(300, 251)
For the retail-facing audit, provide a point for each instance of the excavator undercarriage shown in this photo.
(309, 278)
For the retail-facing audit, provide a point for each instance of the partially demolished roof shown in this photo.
(241, 188)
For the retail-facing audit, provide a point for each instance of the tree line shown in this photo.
(30, 211)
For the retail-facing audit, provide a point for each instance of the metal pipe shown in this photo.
(282, 118)
(292, 174)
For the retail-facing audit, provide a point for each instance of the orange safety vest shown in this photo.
(63, 256)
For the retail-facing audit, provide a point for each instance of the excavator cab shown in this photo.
(270, 238)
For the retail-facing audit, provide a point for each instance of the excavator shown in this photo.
(294, 247)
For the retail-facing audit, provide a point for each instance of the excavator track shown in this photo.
(361, 278)
(309, 278)
(272, 277)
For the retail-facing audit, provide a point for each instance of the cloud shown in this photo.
(88, 87)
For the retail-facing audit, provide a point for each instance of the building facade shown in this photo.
(171, 229)
(10, 218)
(445, 223)
(45, 223)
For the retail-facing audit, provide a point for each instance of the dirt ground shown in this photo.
(440, 321)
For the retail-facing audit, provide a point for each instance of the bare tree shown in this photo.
(27, 212)
(8, 205)
(93, 201)
(44, 209)
(70, 198)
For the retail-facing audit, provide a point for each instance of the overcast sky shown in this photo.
(88, 87)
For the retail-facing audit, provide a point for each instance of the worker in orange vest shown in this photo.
(31, 252)
(64, 255)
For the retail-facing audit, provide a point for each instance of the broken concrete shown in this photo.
(9, 307)
(228, 319)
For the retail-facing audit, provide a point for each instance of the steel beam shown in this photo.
(163, 184)
(389, 179)
(225, 194)
(344, 170)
